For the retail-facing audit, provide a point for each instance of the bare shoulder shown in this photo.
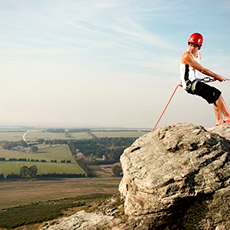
(185, 57)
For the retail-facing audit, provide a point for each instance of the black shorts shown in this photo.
(209, 93)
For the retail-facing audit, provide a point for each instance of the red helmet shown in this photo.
(196, 39)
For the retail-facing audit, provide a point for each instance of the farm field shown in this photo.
(59, 152)
(7, 167)
(32, 191)
(11, 136)
(50, 153)
(34, 135)
(113, 134)
(21, 192)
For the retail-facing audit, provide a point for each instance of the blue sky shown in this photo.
(100, 63)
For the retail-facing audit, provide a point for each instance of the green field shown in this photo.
(47, 152)
(113, 134)
(33, 135)
(19, 192)
(59, 152)
(32, 215)
(11, 136)
(8, 167)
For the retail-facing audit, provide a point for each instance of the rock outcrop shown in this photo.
(84, 221)
(177, 177)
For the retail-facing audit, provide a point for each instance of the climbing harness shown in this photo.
(206, 80)
(191, 85)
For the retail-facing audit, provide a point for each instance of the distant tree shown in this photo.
(111, 155)
(40, 141)
(117, 171)
(72, 147)
(78, 130)
(23, 171)
(2, 176)
(12, 159)
(12, 144)
(7, 145)
(23, 144)
(22, 159)
(32, 171)
(99, 153)
(12, 176)
(34, 149)
(55, 130)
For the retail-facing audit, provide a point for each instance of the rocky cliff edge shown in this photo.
(177, 177)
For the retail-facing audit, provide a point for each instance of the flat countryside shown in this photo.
(59, 177)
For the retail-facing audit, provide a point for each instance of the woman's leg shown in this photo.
(220, 107)
(219, 119)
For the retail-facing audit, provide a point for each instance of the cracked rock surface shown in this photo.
(165, 172)
(83, 221)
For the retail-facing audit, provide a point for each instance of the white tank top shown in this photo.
(191, 72)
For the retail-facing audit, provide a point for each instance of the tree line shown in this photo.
(13, 144)
(20, 145)
(110, 148)
(34, 160)
(61, 130)
(95, 149)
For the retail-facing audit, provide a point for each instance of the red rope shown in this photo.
(166, 107)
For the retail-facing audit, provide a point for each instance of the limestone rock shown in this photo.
(83, 221)
(223, 130)
(166, 171)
